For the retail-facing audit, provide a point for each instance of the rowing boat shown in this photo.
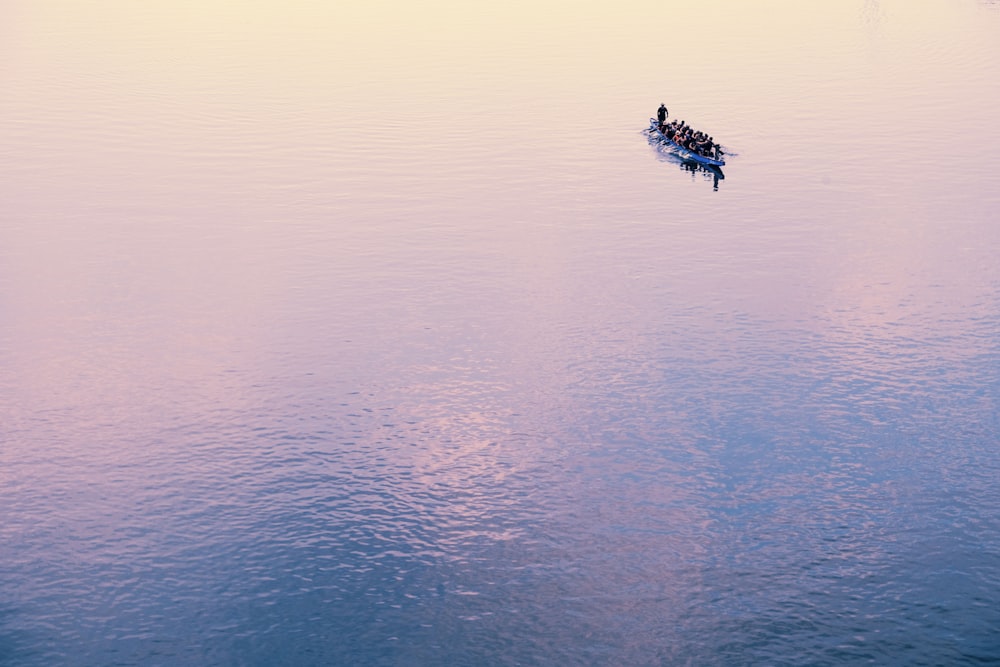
(683, 153)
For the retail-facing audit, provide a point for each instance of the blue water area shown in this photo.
(375, 335)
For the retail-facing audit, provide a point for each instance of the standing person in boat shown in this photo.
(661, 114)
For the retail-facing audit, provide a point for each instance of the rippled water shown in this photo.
(379, 334)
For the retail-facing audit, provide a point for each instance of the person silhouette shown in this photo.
(662, 113)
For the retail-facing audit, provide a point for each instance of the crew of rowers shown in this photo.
(686, 137)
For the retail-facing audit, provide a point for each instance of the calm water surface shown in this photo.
(379, 334)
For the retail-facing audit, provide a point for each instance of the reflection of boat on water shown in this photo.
(706, 170)
(680, 151)
(711, 169)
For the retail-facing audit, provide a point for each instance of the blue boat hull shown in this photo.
(683, 153)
